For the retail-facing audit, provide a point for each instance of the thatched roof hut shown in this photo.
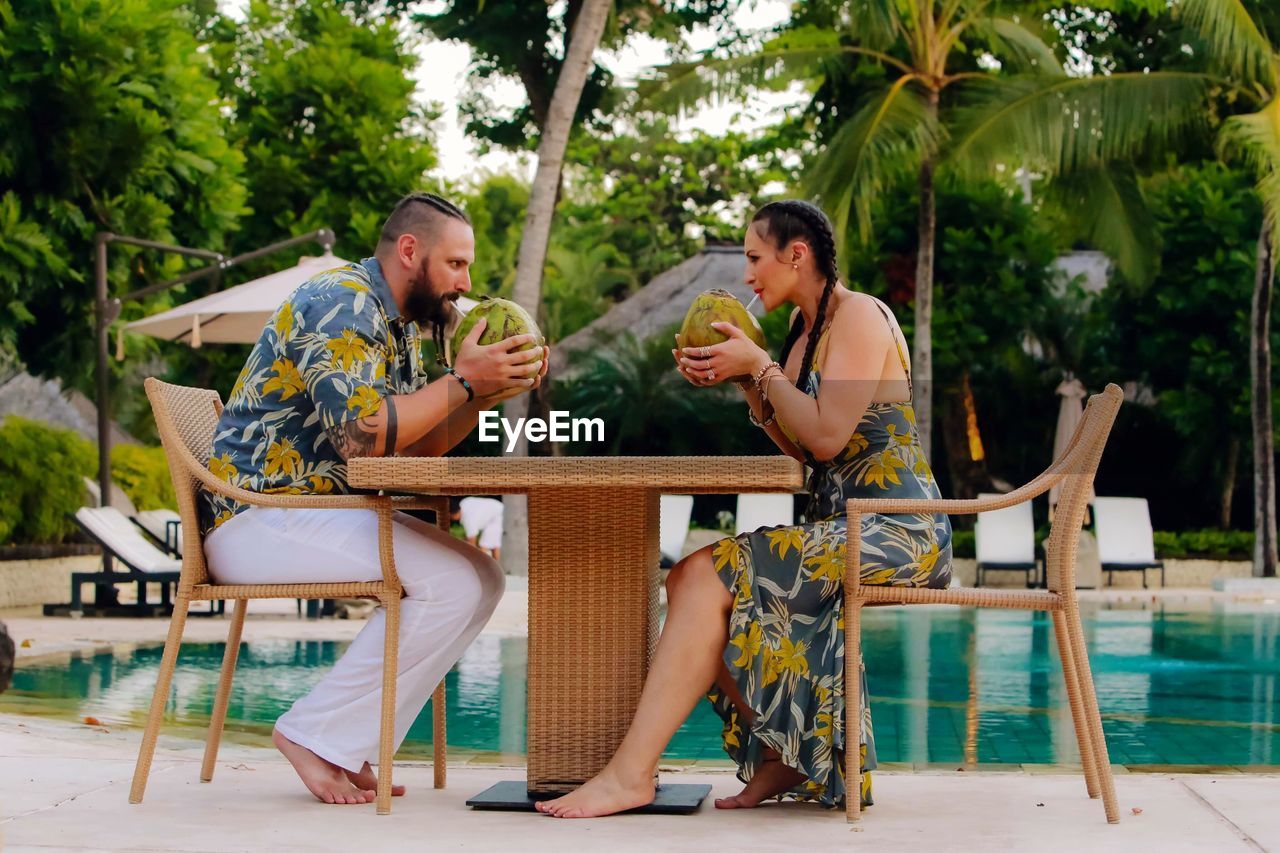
(662, 303)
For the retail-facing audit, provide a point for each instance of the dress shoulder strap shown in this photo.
(896, 345)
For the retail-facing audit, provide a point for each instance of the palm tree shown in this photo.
(1241, 49)
(935, 106)
(588, 27)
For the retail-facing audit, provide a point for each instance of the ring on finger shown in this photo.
(704, 353)
(711, 375)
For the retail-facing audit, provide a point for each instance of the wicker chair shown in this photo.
(186, 418)
(1075, 470)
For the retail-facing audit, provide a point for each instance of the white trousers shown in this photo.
(451, 589)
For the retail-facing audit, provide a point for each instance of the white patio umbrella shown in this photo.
(238, 314)
(1070, 413)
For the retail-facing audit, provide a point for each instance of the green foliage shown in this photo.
(143, 474)
(111, 122)
(638, 202)
(1176, 545)
(43, 470)
(1197, 308)
(324, 111)
(657, 198)
(649, 409)
(321, 102)
(496, 209)
(1205, 544)
(527, 42)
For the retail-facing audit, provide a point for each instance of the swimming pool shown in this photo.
(948, 685)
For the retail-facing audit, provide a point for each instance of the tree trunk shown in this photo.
(1229, 483)
(922, 345)
(1264, 473)
(587, 30)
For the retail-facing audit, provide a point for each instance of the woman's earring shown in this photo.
(795, 266)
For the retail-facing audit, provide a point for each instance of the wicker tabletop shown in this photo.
(515, 475)
(593, 578)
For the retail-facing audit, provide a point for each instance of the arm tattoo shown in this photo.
(389, 406)
(353, 438)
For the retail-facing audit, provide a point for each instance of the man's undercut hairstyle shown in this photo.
(419, 214)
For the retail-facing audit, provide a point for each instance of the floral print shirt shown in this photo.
(332, 351)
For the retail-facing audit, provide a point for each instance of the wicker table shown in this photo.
(593, 579)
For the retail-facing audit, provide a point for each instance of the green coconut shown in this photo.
(718, 306)
(506, 319)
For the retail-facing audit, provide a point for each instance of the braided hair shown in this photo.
(792, 219)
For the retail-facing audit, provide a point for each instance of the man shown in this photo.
(481, 520)
(337, 374)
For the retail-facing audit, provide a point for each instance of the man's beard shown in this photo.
(424, 304)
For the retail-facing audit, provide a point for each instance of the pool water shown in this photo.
(948, 685)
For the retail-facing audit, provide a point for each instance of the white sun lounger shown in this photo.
(1125, 538)
(673, 529)
(125, 542)
(763, 510)
(1005, 541)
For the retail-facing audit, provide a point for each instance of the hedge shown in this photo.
(42, 469)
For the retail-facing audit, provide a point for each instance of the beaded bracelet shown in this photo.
(466, 386)
(755, 380)
(762, 387)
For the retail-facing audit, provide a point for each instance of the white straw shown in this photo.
(753, 301)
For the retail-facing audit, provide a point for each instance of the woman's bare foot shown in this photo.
(606, 794)
(327, 781)
(365, 780)
(772, 777)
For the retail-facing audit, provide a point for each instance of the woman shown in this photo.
(760, 615)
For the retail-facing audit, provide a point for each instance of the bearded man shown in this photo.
(336, 374)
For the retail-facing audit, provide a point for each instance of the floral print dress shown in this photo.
(786, 628)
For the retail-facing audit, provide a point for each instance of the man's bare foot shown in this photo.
(772, 777)
(327, 781)
(365, 780)
(606, 794)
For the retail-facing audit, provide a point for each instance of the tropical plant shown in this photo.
(648, 408)
(1238, 45)
(904, 88)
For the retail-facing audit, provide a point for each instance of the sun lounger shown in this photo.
(1125, 538)
(1005, 541)
(145, 563)
(164, 526)
(763, 510)
(673, 529)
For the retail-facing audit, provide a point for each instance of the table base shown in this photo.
(515, 797)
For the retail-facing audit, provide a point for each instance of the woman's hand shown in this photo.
(738, 356)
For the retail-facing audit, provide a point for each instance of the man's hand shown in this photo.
(496, 398)
(498, 369)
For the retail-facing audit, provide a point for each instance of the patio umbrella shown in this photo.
(238, 314)
(1070, 412)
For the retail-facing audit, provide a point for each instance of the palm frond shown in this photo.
(1063, 125)
(1017, 45)
(1234, 39)
(876, 24)
(879, 145)
(807, 53)
(1255, 139)
(794, 55)
(1108, 208)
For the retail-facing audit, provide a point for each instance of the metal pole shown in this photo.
(165, 247)
(103, 594)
